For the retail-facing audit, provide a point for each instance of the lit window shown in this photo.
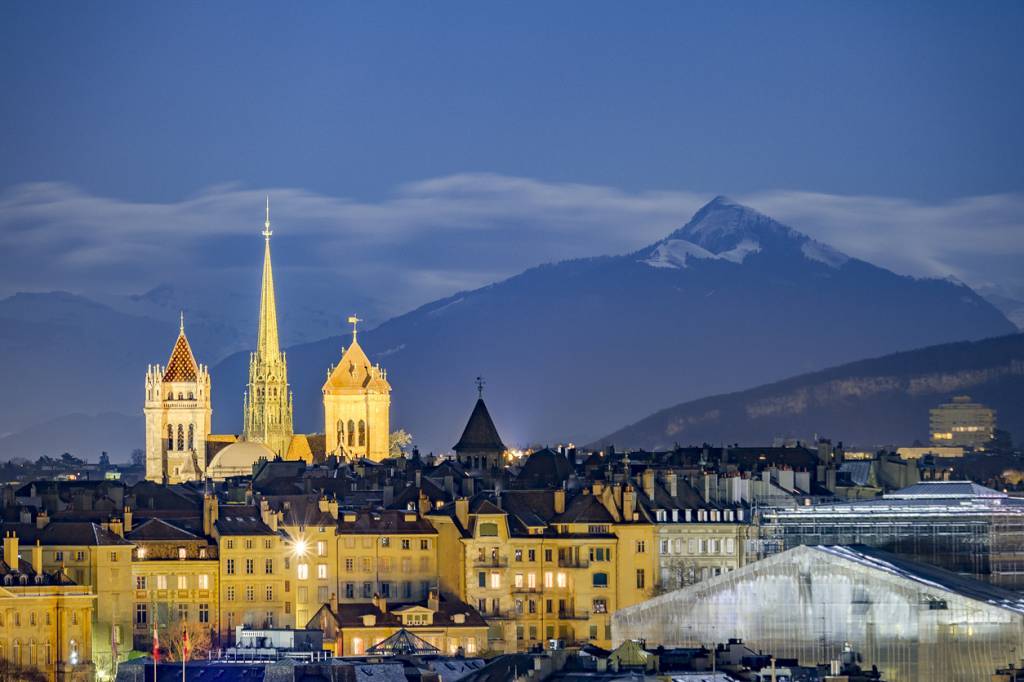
(495, 580)
(321, 571)
(161, 582)
(549, 579)
(303, 571)
(204, 581)
(561, 579)
(182, 582)
(321, 548)
(182, 553)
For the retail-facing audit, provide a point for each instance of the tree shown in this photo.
(104, 459)
(198, 640)
(138, 457)
(398, 442)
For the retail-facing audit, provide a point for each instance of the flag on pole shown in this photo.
(186, 649)
(156, 644)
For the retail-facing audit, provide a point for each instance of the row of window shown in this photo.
(250, 566)
(699, 546)
(249, 593)
(181, 437)
(564, 553)
(385, 541)
(351, 432)
(268, 543)
(142, 582)
(549, 632)
(184, 613)
(386, 564)
(387, 589)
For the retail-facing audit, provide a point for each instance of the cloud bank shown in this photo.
(436, 236)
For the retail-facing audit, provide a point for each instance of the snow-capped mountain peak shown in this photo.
(727, 230)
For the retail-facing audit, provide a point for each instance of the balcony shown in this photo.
(526, 590)
(573, 562)
(491, 562)
(573, 614)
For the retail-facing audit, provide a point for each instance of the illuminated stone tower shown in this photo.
(267, 404)
(178, 414)
(357, 405)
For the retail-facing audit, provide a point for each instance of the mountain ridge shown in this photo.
(901, 388)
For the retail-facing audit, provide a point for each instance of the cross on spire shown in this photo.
(266, 225)
(480, 387)
(354, 321)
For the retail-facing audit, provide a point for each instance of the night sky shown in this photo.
(436, 146)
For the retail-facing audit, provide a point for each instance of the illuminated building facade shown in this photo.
(962, 423)
(914, 621)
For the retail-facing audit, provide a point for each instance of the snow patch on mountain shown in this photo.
(677, 253)
(823, 253)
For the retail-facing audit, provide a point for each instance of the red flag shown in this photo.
(156, 644)
(185, 648)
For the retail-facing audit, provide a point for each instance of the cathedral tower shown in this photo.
(178, 415)
(357, 405)
(267, 404)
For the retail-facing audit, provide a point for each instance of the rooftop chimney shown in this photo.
(11, 550)
(210, 511)
(42, 519)
(462, 511)
(560, 501)
(37, 558)
(647, 481)
(127, 519)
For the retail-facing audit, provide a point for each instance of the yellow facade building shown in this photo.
(98, 558)
(175, 574)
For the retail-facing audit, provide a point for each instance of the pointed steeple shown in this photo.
(480, 433)
(267, 343)
(182, 365)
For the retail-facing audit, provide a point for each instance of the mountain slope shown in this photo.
(879, 401)
(730, 300)
(83, 435)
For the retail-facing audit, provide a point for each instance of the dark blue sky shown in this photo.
(155, 102)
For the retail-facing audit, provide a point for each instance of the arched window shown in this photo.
(351, 433)
(16, 652)
(341, 432)
(181, 437)
(180, 396)
(362, 432)
(191, 436)
(170, 436)
(191, 395)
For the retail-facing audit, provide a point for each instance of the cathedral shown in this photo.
(180, 447)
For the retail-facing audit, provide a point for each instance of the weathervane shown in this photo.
(353, 320)
(266, 226)
(480, 387)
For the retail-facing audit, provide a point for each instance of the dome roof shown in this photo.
(240, 456)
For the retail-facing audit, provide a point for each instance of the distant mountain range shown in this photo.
(571, 350)
(881, 401)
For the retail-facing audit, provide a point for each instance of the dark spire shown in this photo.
(480, 433)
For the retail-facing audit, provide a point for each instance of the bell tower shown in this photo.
(178, 415)
(357, 404)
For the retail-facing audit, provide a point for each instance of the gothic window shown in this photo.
(170, 436)
(181, 437)
(351, 433)
(191, 395)
(362, 432)
(180, 397)
(191, 436)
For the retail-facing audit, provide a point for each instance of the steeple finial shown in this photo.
(181, 324)
(266, 225)
(480, 387)
(353, 320)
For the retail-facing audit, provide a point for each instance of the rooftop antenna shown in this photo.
(480, 387)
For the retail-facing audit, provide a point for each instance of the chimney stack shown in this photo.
(647, 481)
(210, 510)
(462, 511)
(560, 501)
(127, 519)
(334, 602)
(11, 550)
(42, 519)
(433, 601)
(37, 558)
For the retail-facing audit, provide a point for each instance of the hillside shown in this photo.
(883, 400)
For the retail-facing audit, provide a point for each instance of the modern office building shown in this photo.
(957, 525)
(914, 621)
(962, 423)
